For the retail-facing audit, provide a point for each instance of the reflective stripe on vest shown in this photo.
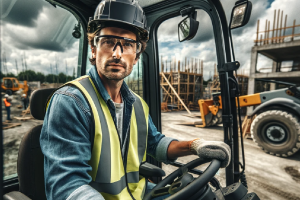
(108, 175)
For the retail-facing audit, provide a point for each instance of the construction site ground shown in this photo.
(271, 177)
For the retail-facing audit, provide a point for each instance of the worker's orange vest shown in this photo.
(7, 104)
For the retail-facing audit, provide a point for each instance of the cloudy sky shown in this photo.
(41, 33)
(203, 45)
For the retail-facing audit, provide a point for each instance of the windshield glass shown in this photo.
(39, 50)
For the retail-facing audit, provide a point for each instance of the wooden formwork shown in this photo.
(182, 85)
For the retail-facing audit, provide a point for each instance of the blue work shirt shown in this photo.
(66, 140)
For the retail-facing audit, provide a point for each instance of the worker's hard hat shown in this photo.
(23, 95)
(6, 95)
(126, 14)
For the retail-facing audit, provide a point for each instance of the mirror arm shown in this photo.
(188, 11)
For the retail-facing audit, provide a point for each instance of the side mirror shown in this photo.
(241, 13)
(188, 28)
(76, 31)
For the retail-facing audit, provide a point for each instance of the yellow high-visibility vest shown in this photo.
(108, 169)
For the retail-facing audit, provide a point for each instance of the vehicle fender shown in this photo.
(280, 102)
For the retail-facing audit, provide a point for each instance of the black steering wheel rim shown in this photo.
(193, 187)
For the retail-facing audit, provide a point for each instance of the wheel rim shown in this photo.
(275, 133)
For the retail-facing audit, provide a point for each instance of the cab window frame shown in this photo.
(11, 183)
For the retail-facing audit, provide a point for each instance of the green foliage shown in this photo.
(51, 78)
(40, 77)
(30, 75)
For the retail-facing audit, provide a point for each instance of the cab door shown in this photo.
(194, 61)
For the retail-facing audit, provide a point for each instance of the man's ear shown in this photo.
(135, 61)
(93, 52)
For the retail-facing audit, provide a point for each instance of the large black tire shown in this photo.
(276, 132)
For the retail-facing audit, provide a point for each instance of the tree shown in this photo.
(50, 77)
(40, 77)
(28, 73)
(61, 77)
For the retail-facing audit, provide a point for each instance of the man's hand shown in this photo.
(213, 150)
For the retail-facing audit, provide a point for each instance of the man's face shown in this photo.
(114, 65)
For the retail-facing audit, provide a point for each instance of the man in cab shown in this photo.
(96, 131)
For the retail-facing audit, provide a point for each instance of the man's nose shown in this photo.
(117, 53)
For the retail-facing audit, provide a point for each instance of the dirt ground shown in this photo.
(12, 137)
(270, 177)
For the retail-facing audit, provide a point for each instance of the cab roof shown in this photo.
(143, 3)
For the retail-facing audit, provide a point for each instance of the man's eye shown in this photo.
(128, 44)
(108, 42)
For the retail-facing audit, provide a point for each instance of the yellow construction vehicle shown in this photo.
(274, 123)
(10, 85)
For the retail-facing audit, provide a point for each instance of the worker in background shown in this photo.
(7, 103)
(27, 92)
(25, 101)
(96, 131)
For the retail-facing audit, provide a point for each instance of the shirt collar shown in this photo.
(125, 91)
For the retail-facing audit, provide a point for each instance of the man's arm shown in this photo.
(65, 143)
(178, 149)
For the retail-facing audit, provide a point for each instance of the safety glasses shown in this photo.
(109, 43)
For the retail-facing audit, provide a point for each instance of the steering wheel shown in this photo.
(184, 191)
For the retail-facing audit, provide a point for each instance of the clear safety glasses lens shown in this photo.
(110, 43)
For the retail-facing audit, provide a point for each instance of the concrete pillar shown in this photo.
(274, 66)
(251, 83)
(272, 86)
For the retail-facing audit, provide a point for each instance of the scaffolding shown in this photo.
(181, 83)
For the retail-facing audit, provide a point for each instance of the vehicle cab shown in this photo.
(68, 36)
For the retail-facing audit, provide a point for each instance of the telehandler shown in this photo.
(274, 123)
(30, 180)
(10, 85)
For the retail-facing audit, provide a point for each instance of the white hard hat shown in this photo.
(23, 95)
(6, 95)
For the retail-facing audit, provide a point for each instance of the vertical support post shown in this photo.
(277, 26)
(284, 27)
(251, 83)
(162, 64)
(185, 65)
(266, 25)
(268, 32)
(273, 26)
(280, 30)
(293, 31)
(260, 39)
(257, 32)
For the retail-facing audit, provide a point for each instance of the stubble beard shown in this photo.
(114, 74)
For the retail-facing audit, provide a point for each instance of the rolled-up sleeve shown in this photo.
(65, 143)
(158, 144)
